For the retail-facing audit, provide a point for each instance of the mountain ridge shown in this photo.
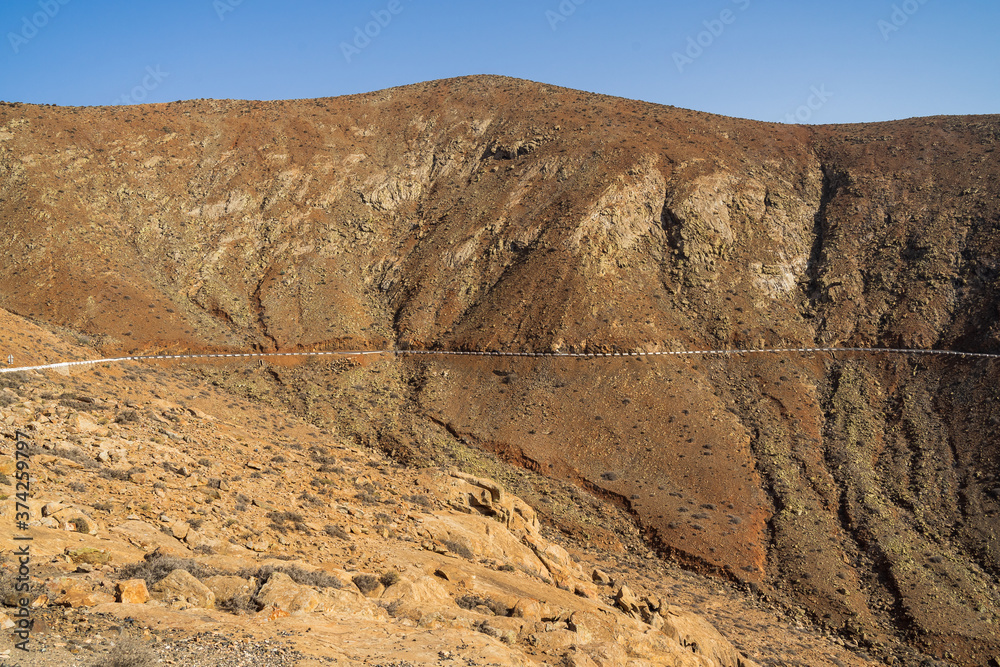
(486, 213)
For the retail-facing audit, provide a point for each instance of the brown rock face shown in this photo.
(492, 214)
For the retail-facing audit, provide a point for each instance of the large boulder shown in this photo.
(281, 592)
(181, 585)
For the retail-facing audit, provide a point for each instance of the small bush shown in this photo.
(128, 653)
(241, 605)
(366, 583)
(121, 475)
(369, 497)
(388, 578)
(459, 549)
(473, 601)
(156, 567)
(103, 506)
(127, 417)
(79, 487)
(336, 531)
(76, 456)
(320, 456)
(318, 579)
(310, 499)
(13, 380)
(421, 500)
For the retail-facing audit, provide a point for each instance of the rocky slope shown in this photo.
(173, 520)
(490, 213)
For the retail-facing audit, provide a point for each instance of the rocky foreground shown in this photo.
(173, 523)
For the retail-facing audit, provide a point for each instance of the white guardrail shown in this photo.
(573, 355)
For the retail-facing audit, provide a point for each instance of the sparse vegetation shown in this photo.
(459, 549)
(473, 601)
(127, 417)
(128, 652)
(336, 531)
(156, 567)
(388, 578)
(366, 583)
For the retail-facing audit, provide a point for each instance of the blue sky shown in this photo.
(814, 62)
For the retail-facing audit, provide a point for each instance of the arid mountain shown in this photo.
(487, 213)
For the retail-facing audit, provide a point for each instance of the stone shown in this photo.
(578, 658)
(74, 520)
(132, 591)
(83, 423)
(283, 593)
(5, 622)
(88, 555)
(529, 609)
(626, 600)
(260, 546)
(147, 536)
(699, 636)
(601, 577)
(180, 529)
(82, 595)
(229, 587)
(48, 509)
(183, 586)
(585, 590)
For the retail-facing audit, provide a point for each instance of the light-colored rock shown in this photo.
(601, 577)
(528, 609)
(48, 509)
(132, 591)
(81, 422)
(626, 600)
(699, 636)
(180, 529)
(411, 598)
(281, 592)
(485, 537)
(183, 586)
(148, 537)
(82, 595)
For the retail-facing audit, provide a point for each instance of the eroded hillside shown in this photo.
(491, 213)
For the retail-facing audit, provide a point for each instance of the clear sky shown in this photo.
(805, 61)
